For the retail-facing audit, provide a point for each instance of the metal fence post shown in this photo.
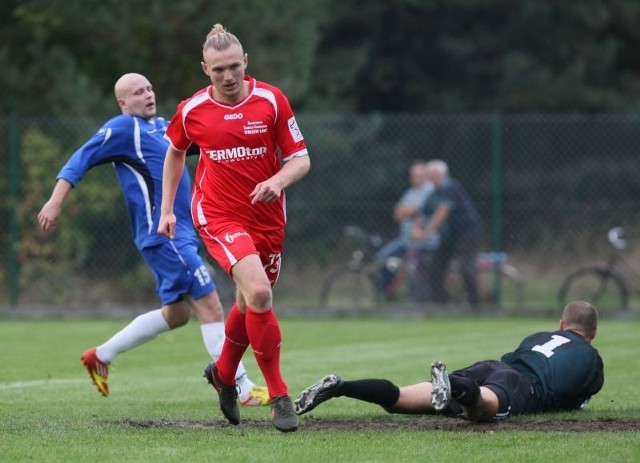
(497, 187)
(12, 172)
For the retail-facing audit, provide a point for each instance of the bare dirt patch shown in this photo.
(410, 424)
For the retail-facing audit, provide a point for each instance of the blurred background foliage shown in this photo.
(533, 103)
(61, 57)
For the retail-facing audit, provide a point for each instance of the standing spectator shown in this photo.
(134, 143)
(452, 214)
(405, 212)
(251, 150)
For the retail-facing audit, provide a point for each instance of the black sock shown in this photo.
(377, 391)
(464, 390)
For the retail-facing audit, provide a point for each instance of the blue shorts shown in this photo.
(178, 270)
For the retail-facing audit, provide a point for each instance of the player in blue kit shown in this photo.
(134, 144)
(548, 372)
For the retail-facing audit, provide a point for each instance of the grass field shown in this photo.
(161, 409)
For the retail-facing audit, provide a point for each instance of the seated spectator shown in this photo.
(405, 211)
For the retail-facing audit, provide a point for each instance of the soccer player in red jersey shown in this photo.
(251, 149)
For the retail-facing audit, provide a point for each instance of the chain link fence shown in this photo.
(548, 187)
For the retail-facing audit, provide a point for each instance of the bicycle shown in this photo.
(356, 283)
(603, 284)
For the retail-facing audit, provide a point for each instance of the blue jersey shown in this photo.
(565, 368)
(136, 147)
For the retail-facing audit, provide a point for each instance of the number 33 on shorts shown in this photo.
(272, 267)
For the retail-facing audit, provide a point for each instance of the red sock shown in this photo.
(235, 344)
(264, 334)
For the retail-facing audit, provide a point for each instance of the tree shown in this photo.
(70, 53)
(479, 55)
(330, 55)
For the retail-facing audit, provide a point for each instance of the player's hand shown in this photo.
(48, 216)
(167, 225)
(266, 192)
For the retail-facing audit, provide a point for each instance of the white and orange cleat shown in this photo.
(257, 396)
(98, 370)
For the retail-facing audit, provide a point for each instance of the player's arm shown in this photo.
(171, 174)
(48, 215)
(438, 218)
(99, 149)
(294, 154)
(423, 229)
(404, 210)
(292, 171)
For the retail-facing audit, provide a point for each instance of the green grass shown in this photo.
(49, 411)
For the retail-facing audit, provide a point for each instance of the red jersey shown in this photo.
(240, 146)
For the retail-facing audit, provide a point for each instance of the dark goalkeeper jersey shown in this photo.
(566, 369)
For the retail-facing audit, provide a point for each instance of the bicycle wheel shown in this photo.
(347, 287)
(508, 291)
(405, 287)
(597, 285)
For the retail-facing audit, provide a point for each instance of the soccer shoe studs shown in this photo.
(314, 395)
(441, 388)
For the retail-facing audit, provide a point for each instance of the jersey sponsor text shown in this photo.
(237, 153)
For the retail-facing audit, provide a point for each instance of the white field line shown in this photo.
(62, 382)
(39, 383)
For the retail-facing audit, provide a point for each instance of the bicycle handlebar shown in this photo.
(359, 232)
(353, 230)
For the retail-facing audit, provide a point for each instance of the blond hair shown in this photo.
(219, 39)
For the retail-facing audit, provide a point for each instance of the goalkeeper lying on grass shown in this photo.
(548, 372)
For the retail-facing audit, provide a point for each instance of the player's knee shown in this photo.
(178, 322)
(177, 317)
(260, 297)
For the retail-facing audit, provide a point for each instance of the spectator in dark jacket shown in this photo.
(450, 212)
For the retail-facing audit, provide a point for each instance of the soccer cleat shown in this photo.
(441, 388)
(317, 393)
(258, 395)
(227, 395)
(98, 370)
(282, 415)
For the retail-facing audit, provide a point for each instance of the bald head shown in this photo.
(437, 171)
(135, 95)
(581, 317)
